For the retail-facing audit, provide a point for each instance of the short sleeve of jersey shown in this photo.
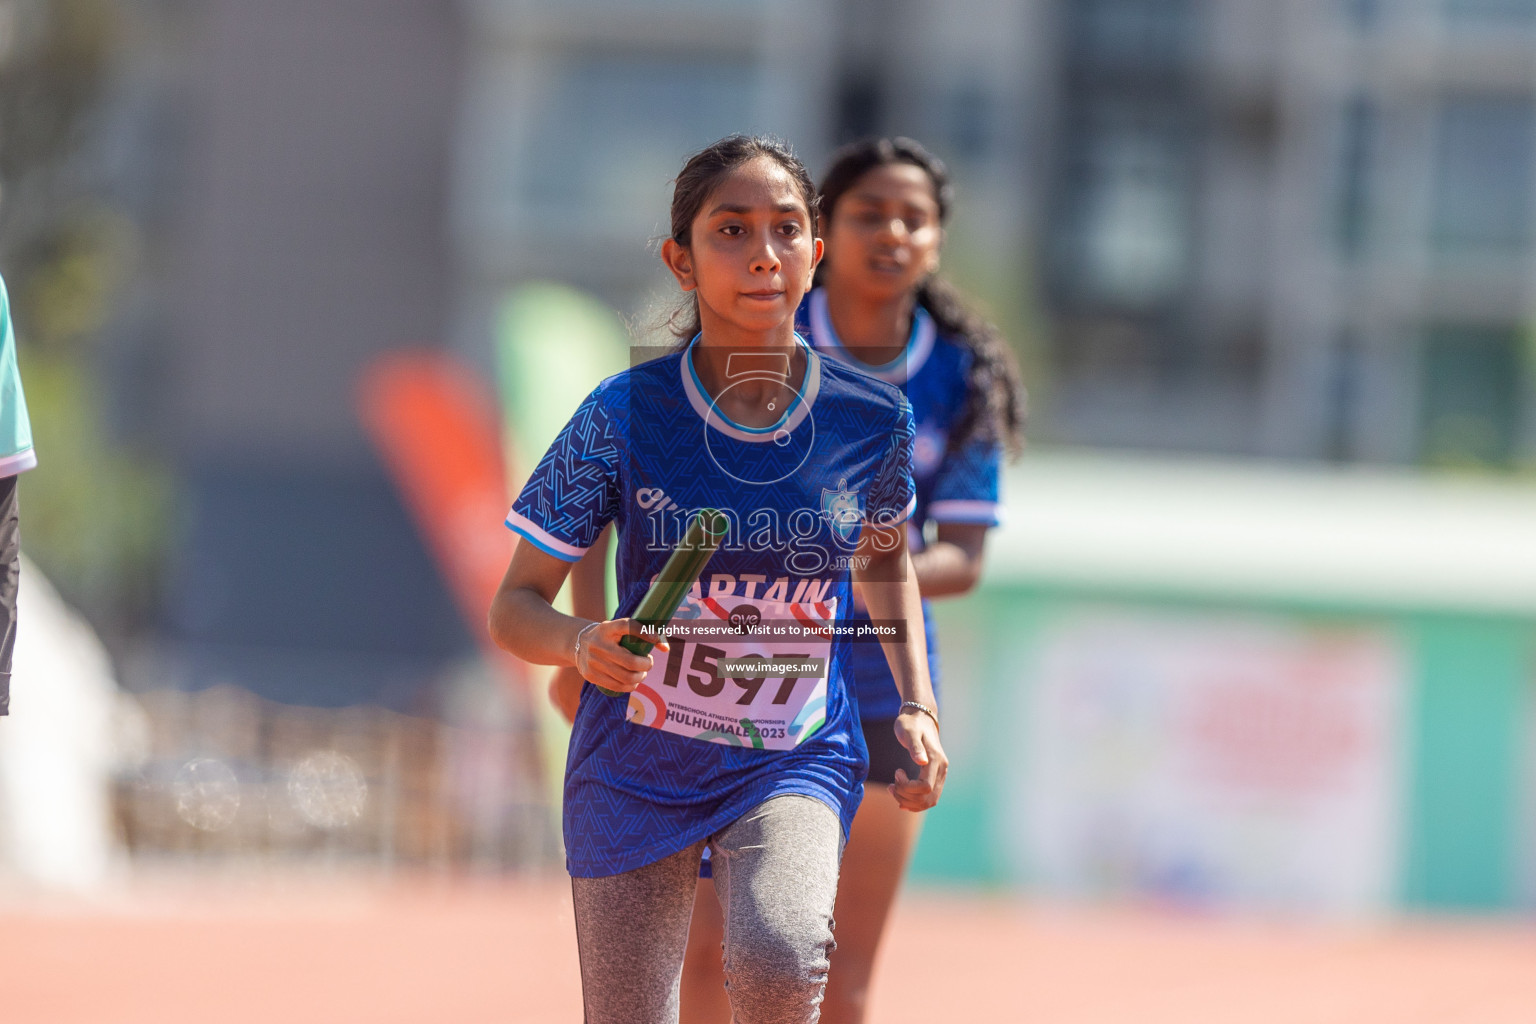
(16, 452)
(574, 491)
(893, 494)
(966, 488)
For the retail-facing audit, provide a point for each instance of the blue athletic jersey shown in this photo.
(958, 486)
(646, 449)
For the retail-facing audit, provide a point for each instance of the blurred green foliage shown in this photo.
(95, 513)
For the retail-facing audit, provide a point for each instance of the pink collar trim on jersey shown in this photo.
(899, 370)
(798, 409)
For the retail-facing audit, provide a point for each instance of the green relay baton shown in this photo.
(705, 532)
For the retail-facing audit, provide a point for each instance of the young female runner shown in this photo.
(808, 460)
(881, 308)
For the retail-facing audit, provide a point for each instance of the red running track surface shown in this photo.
(349, 951)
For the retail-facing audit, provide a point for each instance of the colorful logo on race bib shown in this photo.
(811, 717)
(840, 508)
(646, 707)
(689, 609)
(691, 692)
(744, 616)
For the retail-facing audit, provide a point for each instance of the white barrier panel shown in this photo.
(58, 747)
(1212, 759)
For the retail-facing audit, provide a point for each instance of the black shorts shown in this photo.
(886, 753)
(10, 569)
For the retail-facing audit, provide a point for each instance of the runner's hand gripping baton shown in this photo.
(687, 561)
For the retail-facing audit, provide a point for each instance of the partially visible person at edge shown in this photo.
(645, 790)
(882, 308)
(16, 456)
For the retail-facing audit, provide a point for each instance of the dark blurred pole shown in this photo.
(870, 66)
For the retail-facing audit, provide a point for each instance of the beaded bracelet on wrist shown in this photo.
(924, 708)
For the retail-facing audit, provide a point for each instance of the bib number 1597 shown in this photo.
(689, 693)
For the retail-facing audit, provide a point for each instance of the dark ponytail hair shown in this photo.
(700, 175)
(995, 400)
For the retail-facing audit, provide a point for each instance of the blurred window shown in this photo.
(1490, 12)
(660, 7)
(1362, 14)
(1483, 175)
(859, 105)
(969, 125)
(1126, 219)
(1470, 395)
(1346, 374)
(615, 129)
(1359, 130)
(1132, 32)
(1120, 237)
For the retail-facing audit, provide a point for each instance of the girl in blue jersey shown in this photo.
(809, 461)
(881, 308)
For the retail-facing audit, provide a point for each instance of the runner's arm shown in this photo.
(589, 600)
(952, 563)
(523, 621)
(889, 586)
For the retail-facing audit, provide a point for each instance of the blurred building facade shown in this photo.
(289, 166)
(576, 115)
(317, 185)
(1297, 229)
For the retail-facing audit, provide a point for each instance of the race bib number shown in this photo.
(741, 672)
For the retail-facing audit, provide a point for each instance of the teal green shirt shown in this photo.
(16, 453)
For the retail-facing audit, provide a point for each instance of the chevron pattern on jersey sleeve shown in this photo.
(574, 491)
(893, 493)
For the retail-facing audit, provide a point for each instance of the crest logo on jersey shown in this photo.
(927, 449)
(840, 508)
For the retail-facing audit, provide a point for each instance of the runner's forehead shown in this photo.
(759, 186)
(894, 183)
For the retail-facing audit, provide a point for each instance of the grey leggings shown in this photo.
(775, 870)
